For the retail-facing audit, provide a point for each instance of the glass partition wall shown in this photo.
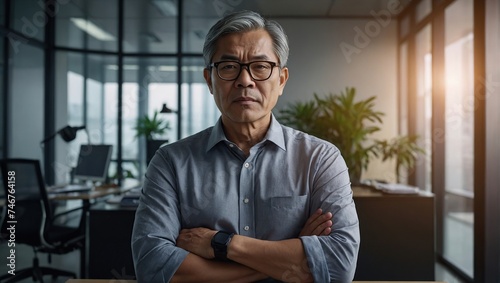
(108, 63)
(114, 61)
(459, 135)
(437, 103)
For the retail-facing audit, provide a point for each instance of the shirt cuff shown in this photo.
(315, 258)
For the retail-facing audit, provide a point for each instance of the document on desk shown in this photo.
(70, 188)
(397, 188)
(128, 199)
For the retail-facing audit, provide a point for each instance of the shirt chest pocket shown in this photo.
(284, 216)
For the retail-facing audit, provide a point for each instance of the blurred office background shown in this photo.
(433, 65)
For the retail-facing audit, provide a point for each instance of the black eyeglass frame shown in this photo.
(247, 65)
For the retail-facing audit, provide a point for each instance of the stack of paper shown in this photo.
(397, 188)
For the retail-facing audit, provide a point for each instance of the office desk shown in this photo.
(133, 281)
(109, 236)
(88, 199)
(93, 194)
(397, 238)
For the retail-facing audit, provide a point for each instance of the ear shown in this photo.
(283, 79)
(208, 79)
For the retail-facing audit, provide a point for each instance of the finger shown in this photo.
(320, 220)
(327, 231)
(321, 229)
(314, 216)
(315, 224)
(327, 216)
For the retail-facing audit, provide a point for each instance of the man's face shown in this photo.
(245, 100)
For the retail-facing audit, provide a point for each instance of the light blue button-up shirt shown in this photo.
(206, 181)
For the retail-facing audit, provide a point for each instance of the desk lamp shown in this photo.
(67, 133)
(166, 109)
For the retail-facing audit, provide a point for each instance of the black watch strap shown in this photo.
(220, 242)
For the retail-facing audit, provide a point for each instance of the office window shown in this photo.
(26, 124)
(199, 109)
(84, 98)
(403, 100)
(101, 102)
(90, 24)
(151, 26)
(75, 98)
(403, 88)
(404, 26)
(424, 8)
(148, 84)
(199, 16)
(160, 94)
(29, 18)
(130, 112)
(423, 107)
(459, 139)
(463, 93)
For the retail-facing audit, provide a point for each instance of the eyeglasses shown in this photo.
(230, 70)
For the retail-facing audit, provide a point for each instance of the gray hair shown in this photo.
(244, 21)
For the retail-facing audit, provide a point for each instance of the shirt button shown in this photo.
(247, 165)
(246, 200)
(231, 145)
(246, 228)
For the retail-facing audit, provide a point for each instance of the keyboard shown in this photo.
(69, 189)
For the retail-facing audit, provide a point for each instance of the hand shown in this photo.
(318, 224)
(197, 241)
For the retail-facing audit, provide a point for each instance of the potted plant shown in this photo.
(151, 128)
(404, 149)
(349, 125)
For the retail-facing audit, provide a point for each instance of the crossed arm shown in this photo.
(252, 259)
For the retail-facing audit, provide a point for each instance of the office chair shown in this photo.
(35, 222)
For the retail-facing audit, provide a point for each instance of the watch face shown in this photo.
(219, 243)
(221, 238)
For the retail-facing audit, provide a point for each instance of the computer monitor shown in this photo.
(93, 162)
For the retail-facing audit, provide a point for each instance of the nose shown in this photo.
(244, 79)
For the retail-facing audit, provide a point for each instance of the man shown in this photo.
(248, 199)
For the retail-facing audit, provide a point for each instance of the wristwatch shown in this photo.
(220, 242)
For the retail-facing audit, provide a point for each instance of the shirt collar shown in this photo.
(274, 134)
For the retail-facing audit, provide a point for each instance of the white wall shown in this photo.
(317, 64)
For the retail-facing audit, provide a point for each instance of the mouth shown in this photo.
(245, 100)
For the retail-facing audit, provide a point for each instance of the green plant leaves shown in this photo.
(149, 127)
(349, 124)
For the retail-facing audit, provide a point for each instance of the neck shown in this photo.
(245, 135)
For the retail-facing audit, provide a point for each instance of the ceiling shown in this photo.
(150, 26)
(290, 8)
(217, 8)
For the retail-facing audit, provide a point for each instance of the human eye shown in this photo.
(261, 65)
(228, 66)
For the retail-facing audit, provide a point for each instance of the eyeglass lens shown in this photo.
(259, 70)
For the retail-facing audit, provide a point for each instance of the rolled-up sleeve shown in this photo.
(156, 226)
(333, 258)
